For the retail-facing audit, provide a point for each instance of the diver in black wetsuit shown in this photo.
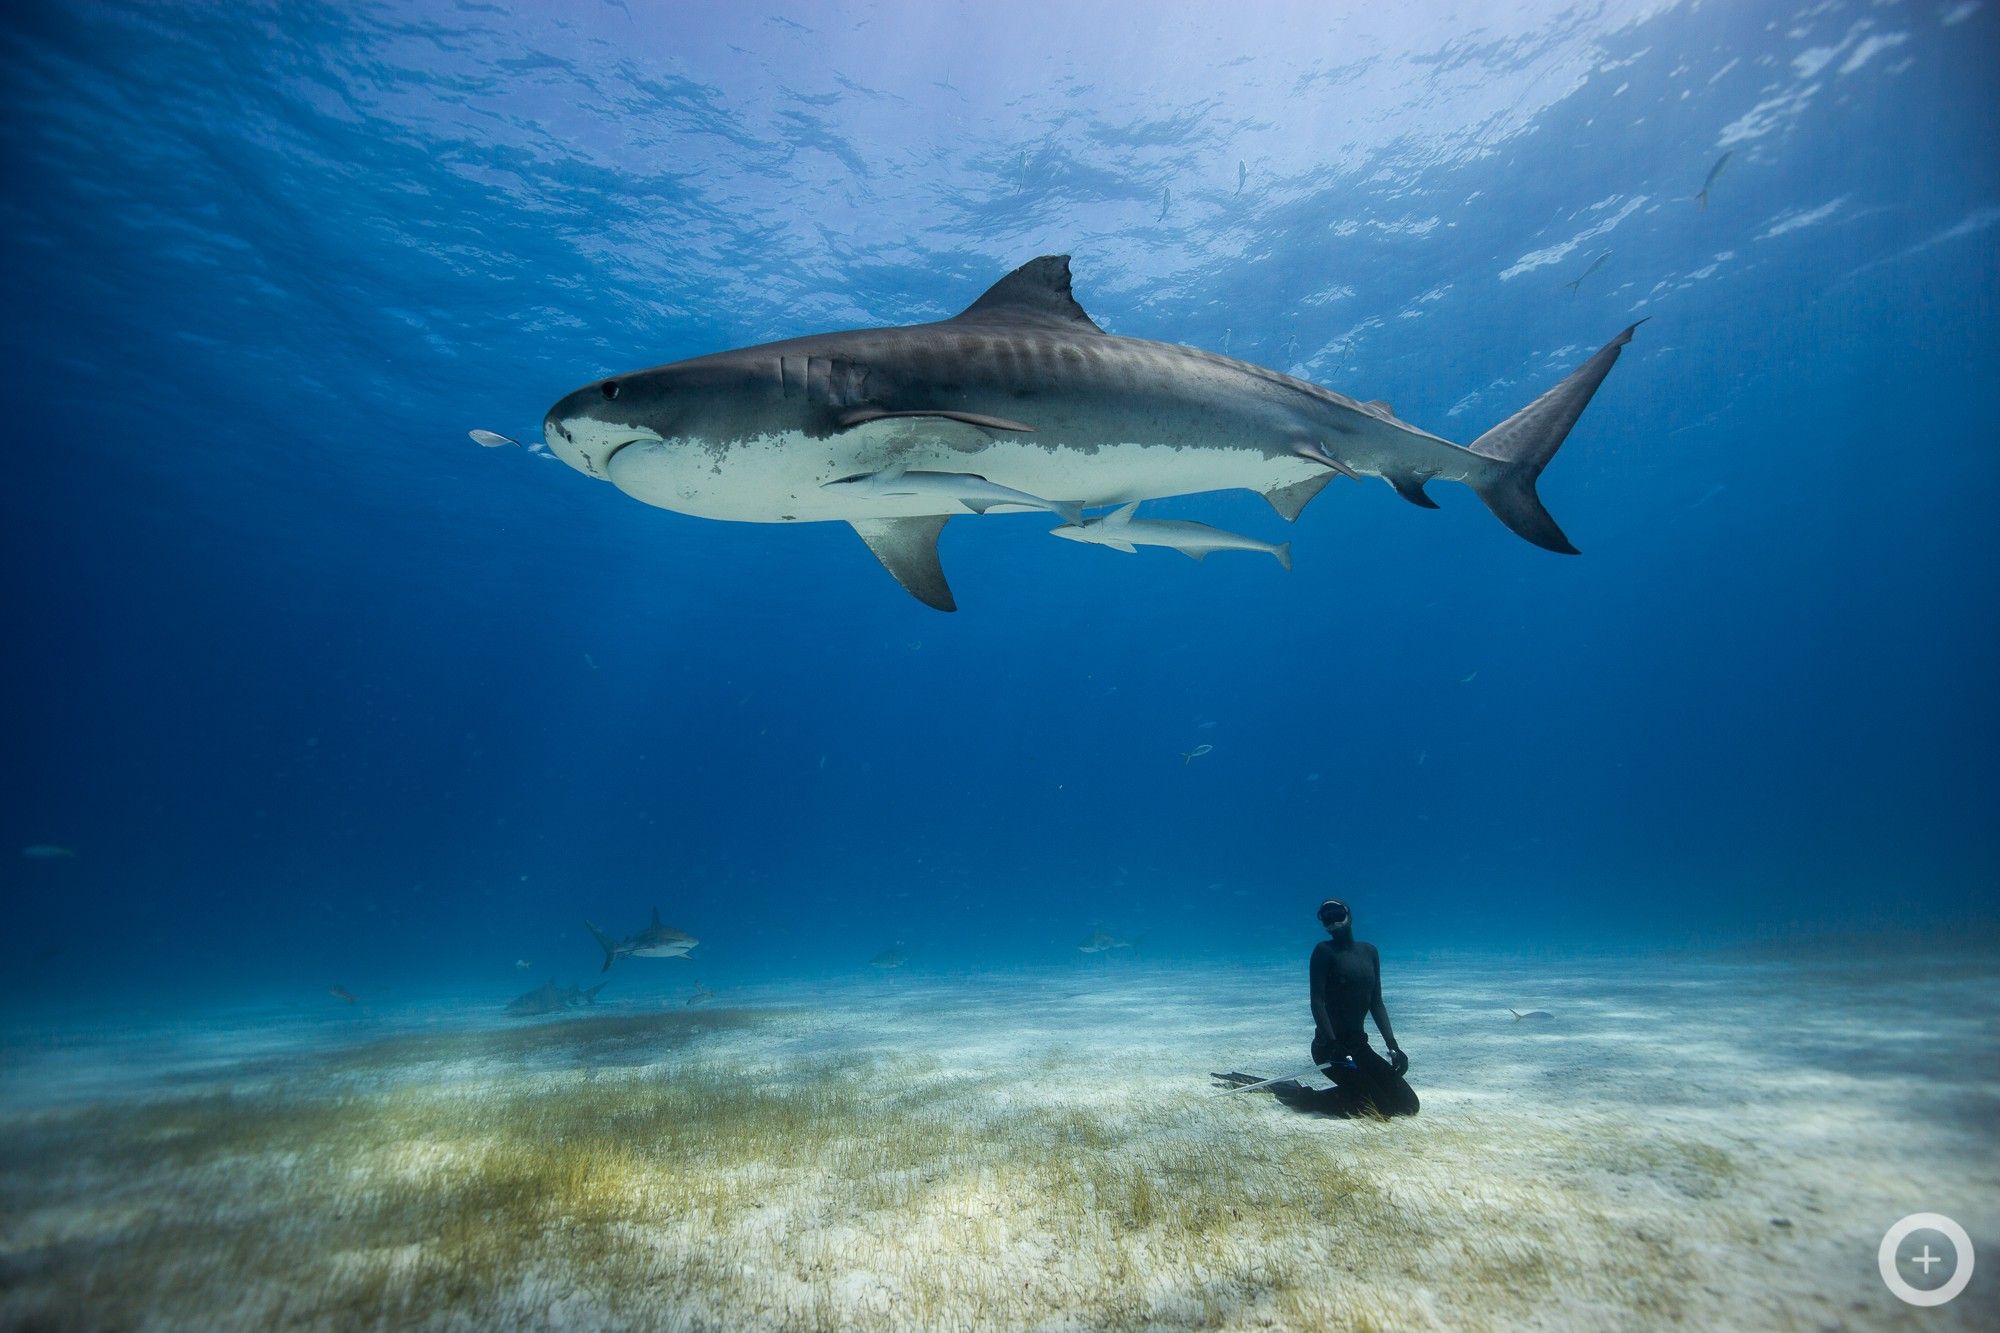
(1346, 980)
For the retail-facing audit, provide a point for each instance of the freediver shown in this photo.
(1345, 977)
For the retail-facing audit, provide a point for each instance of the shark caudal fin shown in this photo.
(1283, 550)
(605, 943)
(1522, 445)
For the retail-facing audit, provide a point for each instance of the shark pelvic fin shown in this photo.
(1035, 293)
(907, 548)
(1411, 487)
(1194, 553)
(861, 416)
(1291, 500)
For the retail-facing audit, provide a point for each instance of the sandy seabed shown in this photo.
(1691, 1143)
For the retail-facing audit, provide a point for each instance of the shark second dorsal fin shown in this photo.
(1035, 293)
(907, 548)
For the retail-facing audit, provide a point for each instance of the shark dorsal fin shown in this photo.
(656, 917)
(1122, 515)
(1035, 293)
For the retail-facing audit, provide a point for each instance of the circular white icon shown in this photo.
(1961, 1244)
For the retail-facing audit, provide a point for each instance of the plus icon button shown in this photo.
(1927, 1259)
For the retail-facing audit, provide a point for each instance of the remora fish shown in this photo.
(1025, 390)
(967, 489)
(1122, 532)
(657, 940)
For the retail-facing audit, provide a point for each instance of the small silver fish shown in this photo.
(1532, 1016)
(1595, 265)
(1713, 172)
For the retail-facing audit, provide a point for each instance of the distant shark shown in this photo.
(548, 998)
(657, 940)
(1100, 940)
(1020, 391)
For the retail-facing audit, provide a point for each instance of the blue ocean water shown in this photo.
(318, 692)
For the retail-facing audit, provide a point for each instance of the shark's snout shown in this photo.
(580, 431)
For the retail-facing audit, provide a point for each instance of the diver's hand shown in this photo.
(1398, 1061)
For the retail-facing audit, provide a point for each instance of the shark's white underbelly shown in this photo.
(779, 478)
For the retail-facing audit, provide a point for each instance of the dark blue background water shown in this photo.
(320, 692)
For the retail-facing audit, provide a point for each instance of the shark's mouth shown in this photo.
(612, 452)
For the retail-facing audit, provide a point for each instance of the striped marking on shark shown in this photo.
(1021, 391)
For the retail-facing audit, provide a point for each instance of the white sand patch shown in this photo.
(1702, 1143)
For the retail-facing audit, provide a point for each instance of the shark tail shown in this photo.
(1522, 445)
(590, 996)
(605, 943)
(1702, 199)
(1283, 550)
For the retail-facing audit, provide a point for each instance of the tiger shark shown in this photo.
(1021, 393)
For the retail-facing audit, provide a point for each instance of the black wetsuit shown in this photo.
(1346, 981)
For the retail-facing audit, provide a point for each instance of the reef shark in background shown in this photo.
(657, 940)
(1020, 391)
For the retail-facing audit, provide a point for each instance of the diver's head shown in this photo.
(1339, 922)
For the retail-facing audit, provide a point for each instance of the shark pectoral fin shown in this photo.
(861, 416)
(907, 548)
(1127, 547)
(1411, 487)
(1291, 500)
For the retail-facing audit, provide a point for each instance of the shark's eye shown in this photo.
(610, 388)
